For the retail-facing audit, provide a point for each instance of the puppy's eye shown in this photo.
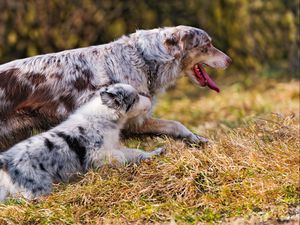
(117, 102)
(130, 105)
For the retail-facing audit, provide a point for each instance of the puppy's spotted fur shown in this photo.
(88, 138)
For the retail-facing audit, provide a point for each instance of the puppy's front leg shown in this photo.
(137, 155)
(171, 128)
(122, 156)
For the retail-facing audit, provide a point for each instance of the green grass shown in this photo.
(249, 170)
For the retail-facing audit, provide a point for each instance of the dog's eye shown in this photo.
(204, 49)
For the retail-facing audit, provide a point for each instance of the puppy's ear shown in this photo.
(111, 99)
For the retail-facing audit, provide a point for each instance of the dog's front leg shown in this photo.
(171, 128)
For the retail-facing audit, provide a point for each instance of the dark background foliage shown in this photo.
(259, 35)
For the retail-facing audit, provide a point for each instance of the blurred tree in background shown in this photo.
(259, 35)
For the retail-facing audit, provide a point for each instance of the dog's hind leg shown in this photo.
(20, 126)
(13, 131)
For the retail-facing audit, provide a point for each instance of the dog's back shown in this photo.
(48, 87)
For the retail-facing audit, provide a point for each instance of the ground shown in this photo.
(249, 173)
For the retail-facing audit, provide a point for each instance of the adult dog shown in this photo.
(40, 92)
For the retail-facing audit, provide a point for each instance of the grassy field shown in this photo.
(249, 171)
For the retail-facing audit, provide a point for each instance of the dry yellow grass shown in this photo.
(251, 167)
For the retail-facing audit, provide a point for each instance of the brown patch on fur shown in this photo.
(68, 101)
(84, 82)
(173, 39)
(15, 91)
(188, 40)
(37, 111)
(36, 78)
(81, 83)
(173, 46)
(57, 76)
(21, 124)
(40, 99)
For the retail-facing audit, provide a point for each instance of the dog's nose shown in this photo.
(228, 61)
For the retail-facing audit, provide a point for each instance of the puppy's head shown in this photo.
(125, 99)
(193, 47)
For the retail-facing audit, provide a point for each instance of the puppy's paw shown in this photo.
(156, 152)
(196, 139)
(159, 151)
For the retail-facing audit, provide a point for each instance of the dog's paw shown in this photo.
(196, 139)
(159, 151)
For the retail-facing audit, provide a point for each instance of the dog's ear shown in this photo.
(172, 43)
(179, 42)
(188, 40)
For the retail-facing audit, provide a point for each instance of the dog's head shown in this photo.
(193, 47)
(125, 99)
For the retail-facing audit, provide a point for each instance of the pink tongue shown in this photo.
(210, 83)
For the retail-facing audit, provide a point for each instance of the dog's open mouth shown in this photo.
(203, 78)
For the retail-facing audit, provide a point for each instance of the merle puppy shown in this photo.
(41, 91)
(88, 138)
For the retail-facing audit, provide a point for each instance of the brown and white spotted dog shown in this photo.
(40, 92)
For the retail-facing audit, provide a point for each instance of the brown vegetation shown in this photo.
(251, 167)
